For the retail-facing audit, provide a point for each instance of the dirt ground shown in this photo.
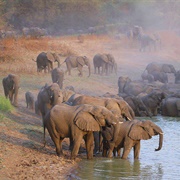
(22, 155)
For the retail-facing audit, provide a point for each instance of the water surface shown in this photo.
(152, 165)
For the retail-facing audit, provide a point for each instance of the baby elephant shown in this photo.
(29, 100)
(129, 136)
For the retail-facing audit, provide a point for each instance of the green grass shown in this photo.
(5, 105)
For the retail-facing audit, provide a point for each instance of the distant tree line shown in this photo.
(60, 15)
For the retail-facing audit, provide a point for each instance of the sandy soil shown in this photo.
(22, 155)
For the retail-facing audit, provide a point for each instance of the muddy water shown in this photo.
(152, 165)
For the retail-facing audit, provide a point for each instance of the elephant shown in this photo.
(153, 100)
(122, 82)
(170, 106)
(155, 76)
(48, 96)
(29, 100)
(130, 135)
(45, 61)
(160, 67)
(11, 88)
(119, 108)
(35, 32)
(128, 87)
(75, 122)
(138, 106)
(106, 62)
(147, 41)
(77, 62)
(57, 76)
(177, 77)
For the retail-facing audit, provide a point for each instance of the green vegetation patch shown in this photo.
(5, 104)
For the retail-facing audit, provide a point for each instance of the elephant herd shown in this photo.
(104, 63)
(153, 94)
(106, 124)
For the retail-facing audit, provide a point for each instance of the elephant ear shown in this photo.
(138, 132)
(80, 60)
(50, 56)
(86, 122)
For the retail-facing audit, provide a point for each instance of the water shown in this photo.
(152, 165)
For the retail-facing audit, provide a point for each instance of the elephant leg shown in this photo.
(76, 145)
(58, 144)
(80, 70)
(137, 150)
(11, 96)
(89, 145)
(118, 152)
(127, 148)
(96, 142)
(111, 149)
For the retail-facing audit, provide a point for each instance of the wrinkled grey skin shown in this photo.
(171, 105)
(29, 100)
(129, 136)
(11, 88)
(77, 62)
(104, 63)
(57, 76)
(177, 77)
(75, 122)
(160, 67)
(45, 61)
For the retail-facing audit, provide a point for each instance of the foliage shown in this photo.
(61, 15)
(5, 104)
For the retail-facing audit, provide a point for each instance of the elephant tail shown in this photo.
(34, 60)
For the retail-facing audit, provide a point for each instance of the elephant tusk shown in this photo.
(113, 123)
(120, 122)
(161, 133)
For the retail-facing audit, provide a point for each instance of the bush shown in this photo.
(5, 104)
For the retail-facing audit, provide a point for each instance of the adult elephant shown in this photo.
(48, 96)
(155, 76)
(137, 105)
(119, 107)
(170, 106)
(160, 67)
(77, 62)
(11, 88)
(45, 61)
(122, 83)
(105, 62)
(130, 135)
(57, 76)
(153, 100)
(75, 122)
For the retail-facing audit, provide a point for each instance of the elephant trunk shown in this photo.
(116, 132)
(160, 141)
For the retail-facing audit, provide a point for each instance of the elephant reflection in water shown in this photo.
(129, 136)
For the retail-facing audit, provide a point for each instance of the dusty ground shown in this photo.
(22, 155)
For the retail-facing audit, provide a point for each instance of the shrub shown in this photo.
(5, 104)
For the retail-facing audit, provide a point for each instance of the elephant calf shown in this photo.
(130, 134)
(29, 100)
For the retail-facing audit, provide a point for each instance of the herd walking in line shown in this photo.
(107, 123)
